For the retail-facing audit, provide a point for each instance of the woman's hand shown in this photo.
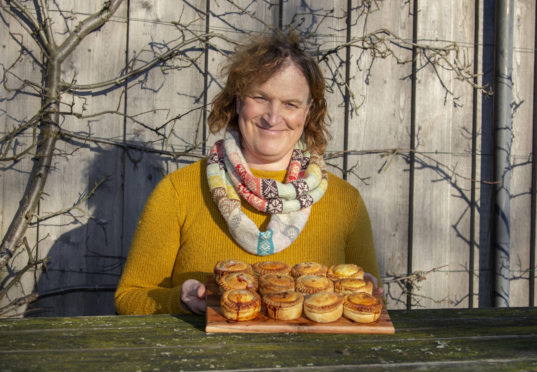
(373, 279)
(193, 296)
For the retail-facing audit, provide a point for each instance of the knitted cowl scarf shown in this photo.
(288, 203)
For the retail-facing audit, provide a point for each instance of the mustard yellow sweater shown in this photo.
(182, 235)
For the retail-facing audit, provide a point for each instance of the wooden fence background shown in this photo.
(413, 138)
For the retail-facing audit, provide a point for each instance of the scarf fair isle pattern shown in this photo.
(289, 203)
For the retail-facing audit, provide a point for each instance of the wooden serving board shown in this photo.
(216, 323)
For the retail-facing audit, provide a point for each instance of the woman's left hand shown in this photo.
(193, 296)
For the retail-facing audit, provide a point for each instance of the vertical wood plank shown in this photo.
(443, 169)
(379, 128)
(473, 290)
(523, 58)
(486, 148)
(461, 160)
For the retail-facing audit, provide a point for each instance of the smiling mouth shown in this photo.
(272, 130)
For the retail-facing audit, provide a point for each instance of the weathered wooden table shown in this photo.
(477, 339)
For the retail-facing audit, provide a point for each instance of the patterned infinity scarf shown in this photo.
(288, 203)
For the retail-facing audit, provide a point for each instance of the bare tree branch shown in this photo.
(49, 130)
(86, 27)
(28, 22)
(142, 69)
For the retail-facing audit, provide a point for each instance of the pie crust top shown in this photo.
(341, 271)
(266, 267)
(283, 299)
(308, 268)
(272, 282)
(230, 266)
(348, 285)
(238, 280)
(322, 302)
(363, 302)
(314, 283)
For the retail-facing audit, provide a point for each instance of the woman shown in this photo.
(262, 193)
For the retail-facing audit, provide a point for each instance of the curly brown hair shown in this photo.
(255, 63)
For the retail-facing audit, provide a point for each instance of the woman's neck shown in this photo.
(271, 165)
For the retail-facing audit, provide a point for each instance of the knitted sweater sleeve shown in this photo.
(360, 248)
(145, 285)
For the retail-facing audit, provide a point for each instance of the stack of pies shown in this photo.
(323, 294)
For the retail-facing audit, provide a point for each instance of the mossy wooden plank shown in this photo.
(101, 321)
(104, 332)
(400, 318)
(283, 354)
(63, 339)
(121, 363)
(430, 339)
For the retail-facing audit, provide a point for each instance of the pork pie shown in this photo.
(308, 268)
(362, 307)
(240, 304)
(283, 305)
(271, 267)
(350, 285)
(231, 266)
(274, 283)
(323, 307)
(237, 280)
(309, 284)
(341, 271)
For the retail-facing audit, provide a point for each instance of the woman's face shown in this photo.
(272, 117)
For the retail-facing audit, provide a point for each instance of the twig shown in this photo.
(81, 200)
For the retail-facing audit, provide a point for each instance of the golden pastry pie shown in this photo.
(362, 307)
(237, 280)
(341, 271)
(231, 266)
(309, 284)
(308, 268)
(283, 305)
(274, 283)
(240, 304)
(349, 285)
(274, 267)
(323, 307)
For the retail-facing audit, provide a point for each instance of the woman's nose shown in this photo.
(273, 115)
